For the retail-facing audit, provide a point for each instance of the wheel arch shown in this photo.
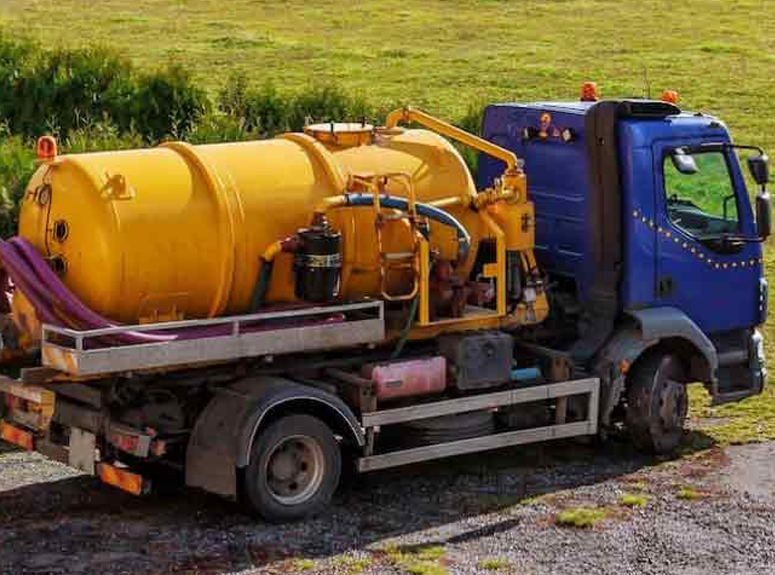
(223, 435)
(335, 414)
(647, 330)
(672, 329)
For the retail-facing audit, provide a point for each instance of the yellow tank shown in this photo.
(178, 231)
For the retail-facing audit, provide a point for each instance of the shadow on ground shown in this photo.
(77, 525)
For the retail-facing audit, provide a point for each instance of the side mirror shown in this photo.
(759, 166)
(764, 214)
(683, 162)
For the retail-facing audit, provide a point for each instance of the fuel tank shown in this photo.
(178, 231)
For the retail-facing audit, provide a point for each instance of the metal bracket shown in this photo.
(589, 387)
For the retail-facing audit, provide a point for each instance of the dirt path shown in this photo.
(706, 514)
(751, 470)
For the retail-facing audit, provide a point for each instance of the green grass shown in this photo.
(493, 564)
(423, 560)
(688, 493)
(352, 565)
(442, 54)
(302, 565)
(634, 500)
(580, 517)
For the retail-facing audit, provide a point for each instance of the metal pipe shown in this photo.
(409, 114)
(427, 210)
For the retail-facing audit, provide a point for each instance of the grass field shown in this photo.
(444, 55)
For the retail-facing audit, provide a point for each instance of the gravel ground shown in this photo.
(496, 513)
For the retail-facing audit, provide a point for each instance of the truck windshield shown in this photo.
(702, 203)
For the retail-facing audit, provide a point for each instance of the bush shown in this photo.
(17, 163)
(93, 99)
(56, 92)
(471, 122)
(214, 128)
(63, 90)
(266, 111)
(162, 103)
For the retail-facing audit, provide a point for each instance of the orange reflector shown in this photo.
(16, 436)
(125, 480)
(46, 149)
(589, 92)
(670, 96)
(124, 442)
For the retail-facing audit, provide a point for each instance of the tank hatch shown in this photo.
(342, 134)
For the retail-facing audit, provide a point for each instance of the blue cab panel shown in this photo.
(719, 291)
(558, 180)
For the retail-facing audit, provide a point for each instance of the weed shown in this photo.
(688, 493)
(426, 568)
(302, 565)
(353, 565)
(634, 500)
(493, 564)
(580, 517)
(423, 560)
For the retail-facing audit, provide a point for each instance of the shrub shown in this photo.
(214, 128)
(267, 111)
(17, 163)
(58, 91)
(62, 90)
(164, 102)
(471, 121)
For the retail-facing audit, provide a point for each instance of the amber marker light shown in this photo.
(670, 96)
(46, 149)
(589, 92)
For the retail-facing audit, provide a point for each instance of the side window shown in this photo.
(700, 196)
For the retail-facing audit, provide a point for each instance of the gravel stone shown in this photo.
(500, 505)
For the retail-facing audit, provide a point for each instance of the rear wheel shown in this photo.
(294, 468)
(657, 403)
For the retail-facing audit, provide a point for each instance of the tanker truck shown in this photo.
(256, 317)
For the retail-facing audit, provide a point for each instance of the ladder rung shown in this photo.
(398, 255)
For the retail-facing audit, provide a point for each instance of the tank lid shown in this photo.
(344, 134)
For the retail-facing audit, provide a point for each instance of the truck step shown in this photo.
(732, 396)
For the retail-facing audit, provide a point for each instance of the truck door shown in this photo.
(713, 280)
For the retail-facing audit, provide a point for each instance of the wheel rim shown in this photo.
(295, 469)
(672, 405)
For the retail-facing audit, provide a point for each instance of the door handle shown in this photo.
(665, 286)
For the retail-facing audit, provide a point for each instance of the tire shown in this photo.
(294, 469)
(657, 403)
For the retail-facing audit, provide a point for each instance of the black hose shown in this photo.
(407, 328)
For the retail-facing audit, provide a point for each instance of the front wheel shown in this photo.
(294, 468)
(657, 403)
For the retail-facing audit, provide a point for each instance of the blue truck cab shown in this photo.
(646, 231)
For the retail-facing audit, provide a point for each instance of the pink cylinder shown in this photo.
(408, 378)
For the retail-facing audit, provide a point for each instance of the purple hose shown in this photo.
(71, 305)
(47, 294)
(55, 304)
